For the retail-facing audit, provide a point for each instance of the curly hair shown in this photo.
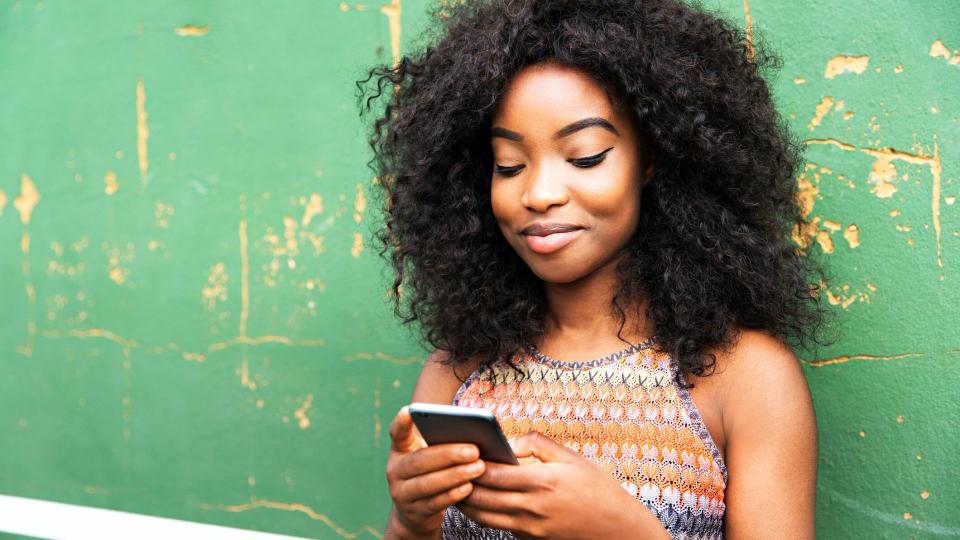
(715, 249)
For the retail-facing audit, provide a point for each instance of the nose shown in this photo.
(544, 188)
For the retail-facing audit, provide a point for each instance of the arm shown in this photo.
(771, 442)
(437, 383)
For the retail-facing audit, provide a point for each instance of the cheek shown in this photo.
(501, 200)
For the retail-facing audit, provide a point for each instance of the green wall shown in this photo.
(196, 323)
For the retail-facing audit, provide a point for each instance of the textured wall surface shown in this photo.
(195, 321)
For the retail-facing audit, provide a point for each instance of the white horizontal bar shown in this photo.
(60, 521)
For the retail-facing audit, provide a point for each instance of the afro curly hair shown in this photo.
(715, 250)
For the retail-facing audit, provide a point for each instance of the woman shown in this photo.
(563, 178)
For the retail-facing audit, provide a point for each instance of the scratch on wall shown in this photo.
(841, 63)
(392, 11)
(244, 279)
(295, 507)
(143, 132)
(850, 358)
(410, 360)
(244, 372)
(748, 20)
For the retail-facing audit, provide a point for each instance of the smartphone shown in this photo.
(441, 424)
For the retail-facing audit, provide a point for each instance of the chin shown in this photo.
(556, 272)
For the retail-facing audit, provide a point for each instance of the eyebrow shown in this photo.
(565, 131)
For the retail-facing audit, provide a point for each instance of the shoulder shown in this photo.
(760, 374)
(771, 438)
(440, 379)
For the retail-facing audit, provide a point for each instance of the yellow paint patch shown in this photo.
(359, 204)
(27, 199)
(3, 201)
(924, 494)
(799, 80)
(110, 183)
(191, 30)
(822, 109)
(881, 176)
(852, 235)
(939, 50)
(357, 244)
(845, 64)
(844, 296)
(216, 288)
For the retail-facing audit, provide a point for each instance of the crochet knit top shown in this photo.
(625, 412)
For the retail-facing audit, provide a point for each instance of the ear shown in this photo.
(646, 175)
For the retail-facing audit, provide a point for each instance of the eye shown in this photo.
(590, 161)
(507, 171)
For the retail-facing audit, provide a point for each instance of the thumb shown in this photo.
(404, 436)
(544, 448)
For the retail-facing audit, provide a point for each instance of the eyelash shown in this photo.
(583, 163)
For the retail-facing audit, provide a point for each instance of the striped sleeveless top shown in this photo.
(625, 412)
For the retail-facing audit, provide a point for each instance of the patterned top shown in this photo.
(625, 412)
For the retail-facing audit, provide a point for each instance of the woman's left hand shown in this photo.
(565, 496)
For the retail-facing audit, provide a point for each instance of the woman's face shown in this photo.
(567, 174)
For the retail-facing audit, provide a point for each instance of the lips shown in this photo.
(548, 237)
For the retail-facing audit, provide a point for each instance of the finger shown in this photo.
(431, 484)
(403, 435)
(438, 503)
(435, 458)
(512, 477)
(544, 448)
(495, 500)
(491, 518)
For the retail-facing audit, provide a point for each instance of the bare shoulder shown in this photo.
(771, 437)
(439, 380)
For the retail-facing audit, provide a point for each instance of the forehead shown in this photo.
(545, 95)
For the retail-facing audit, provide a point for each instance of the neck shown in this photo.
(582, 311)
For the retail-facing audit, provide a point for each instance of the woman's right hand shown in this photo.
(425, 480)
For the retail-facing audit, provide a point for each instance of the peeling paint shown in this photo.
(27, 199)
(357, 244)
(313, 208)
(845, 64)
(191, 30)
(161, 214)
(822, 109)
(852, 235)
(939, 50)
(110, 183)
(748, 29)
(301, 412)
(216, 288)
(359, 204)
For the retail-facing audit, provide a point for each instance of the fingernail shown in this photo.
(475, 468)
(468, 452)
